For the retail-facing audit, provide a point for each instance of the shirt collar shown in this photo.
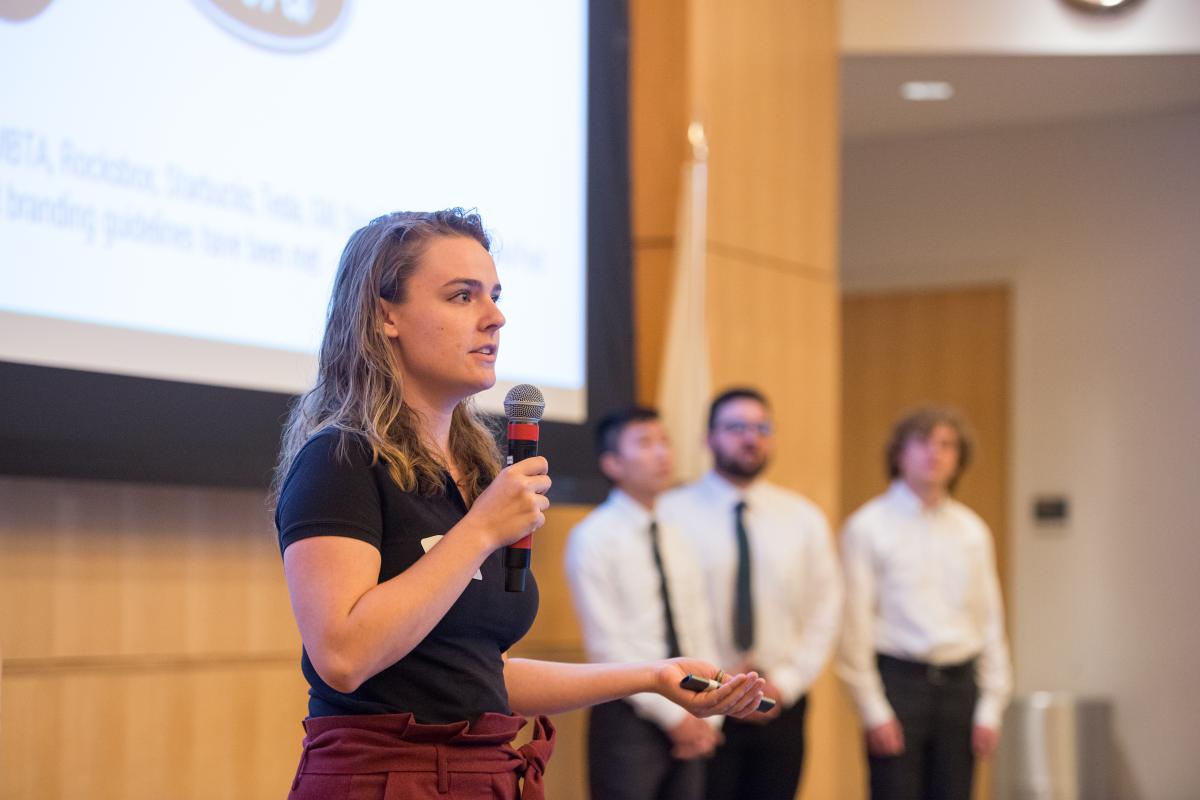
(626, 505)
(724, 492)
(905, 499)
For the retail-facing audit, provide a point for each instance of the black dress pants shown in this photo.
(759, 762)
(936, 708)
(630, 758)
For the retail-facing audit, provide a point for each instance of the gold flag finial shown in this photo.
(699, 141)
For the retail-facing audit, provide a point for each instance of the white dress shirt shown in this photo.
(921, 585)
(616, 588)
(795, 586)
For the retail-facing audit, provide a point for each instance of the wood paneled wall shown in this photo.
(150, 651)
(149, 646)
(761, 76)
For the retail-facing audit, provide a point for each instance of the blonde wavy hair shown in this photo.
(360, 385)
(919, 423)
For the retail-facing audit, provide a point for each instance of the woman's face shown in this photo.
(447, 330)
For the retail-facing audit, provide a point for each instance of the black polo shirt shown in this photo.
(456, 672)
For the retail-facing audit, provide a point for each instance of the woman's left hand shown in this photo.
(737, 697)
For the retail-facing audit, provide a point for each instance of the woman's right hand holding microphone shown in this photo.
(514, 505)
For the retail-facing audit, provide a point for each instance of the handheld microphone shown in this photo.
(523, 407)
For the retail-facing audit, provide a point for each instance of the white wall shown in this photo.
(1016, 26)
(1097, 228)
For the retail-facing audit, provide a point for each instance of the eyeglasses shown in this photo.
(740, 428)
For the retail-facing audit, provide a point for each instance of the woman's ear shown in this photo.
(387, 317)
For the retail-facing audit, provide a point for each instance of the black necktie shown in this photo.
(673, 650)
(743, 603)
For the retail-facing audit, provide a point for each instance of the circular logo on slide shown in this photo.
(279, 24)
(21, 10)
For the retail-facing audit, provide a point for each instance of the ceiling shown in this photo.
(1001, 91)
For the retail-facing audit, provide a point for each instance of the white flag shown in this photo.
(684, 384)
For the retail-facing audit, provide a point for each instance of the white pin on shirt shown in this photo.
(429, 541)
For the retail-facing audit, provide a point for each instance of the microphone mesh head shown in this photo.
(524, 402)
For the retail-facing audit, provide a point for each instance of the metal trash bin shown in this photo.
(1055, 746)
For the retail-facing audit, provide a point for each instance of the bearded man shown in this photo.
(774, 591)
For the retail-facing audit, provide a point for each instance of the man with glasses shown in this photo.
(773, 588)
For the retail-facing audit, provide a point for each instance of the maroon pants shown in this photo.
(392, 757)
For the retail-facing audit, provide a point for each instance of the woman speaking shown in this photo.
(393, 514)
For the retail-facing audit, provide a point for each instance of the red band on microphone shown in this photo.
(523, 431)
(523, 544)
